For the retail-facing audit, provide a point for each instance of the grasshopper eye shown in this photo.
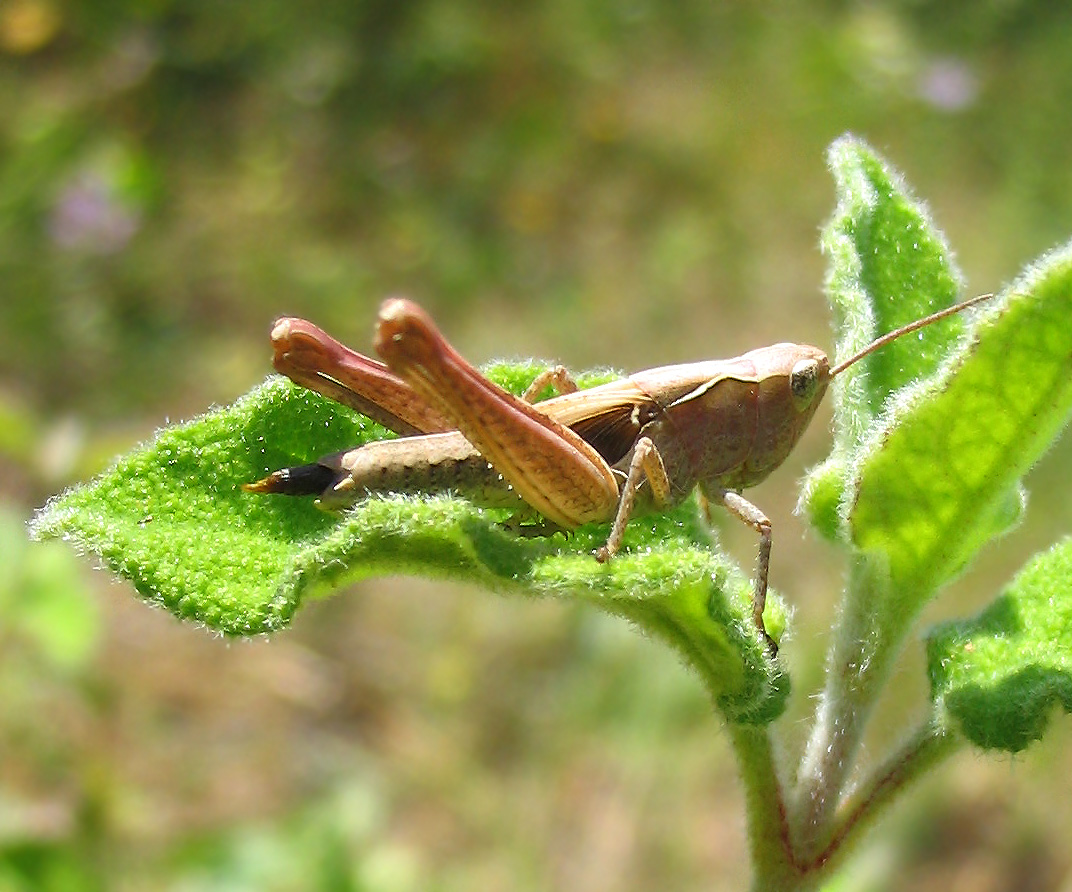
(804, 381)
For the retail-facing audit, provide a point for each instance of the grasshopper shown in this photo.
(609, 453)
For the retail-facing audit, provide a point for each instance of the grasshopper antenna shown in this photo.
(907, 329)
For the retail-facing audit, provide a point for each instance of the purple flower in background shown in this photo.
(88, 216)
(949, 84)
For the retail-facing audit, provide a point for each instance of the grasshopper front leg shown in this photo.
(745, 511)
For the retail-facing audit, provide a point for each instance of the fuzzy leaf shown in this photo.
(938, 477)
(999, 675)
(888, 266)
(172, 518)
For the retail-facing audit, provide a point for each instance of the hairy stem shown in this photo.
(783, 859)
(866, 640)
(768, 829)
(929, 745)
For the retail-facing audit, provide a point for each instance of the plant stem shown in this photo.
(779, 861)
(917, 755)
(768, 830)
(866, 639)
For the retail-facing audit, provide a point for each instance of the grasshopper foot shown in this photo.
(772, 645)
(603, 553)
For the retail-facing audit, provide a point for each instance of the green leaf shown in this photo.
(44, 599)
(172, 517)
(998, 676)
(938, 478)
(888, 266)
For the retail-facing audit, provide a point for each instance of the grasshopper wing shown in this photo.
(609, 417)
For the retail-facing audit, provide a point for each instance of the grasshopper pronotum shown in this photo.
(635, 445)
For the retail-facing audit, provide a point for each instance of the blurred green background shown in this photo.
(601, 183)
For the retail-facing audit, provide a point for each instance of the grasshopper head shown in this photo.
(790, 380)
(793, 375)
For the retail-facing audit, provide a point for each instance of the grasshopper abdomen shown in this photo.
(435, 463)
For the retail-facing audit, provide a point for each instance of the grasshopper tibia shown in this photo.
(744, 510)
(646, 464)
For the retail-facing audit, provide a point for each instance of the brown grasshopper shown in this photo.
(635, 445)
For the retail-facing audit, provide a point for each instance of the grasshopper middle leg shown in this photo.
(645, 463)
(557, 376)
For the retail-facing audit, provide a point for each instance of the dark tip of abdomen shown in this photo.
(303, 480)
